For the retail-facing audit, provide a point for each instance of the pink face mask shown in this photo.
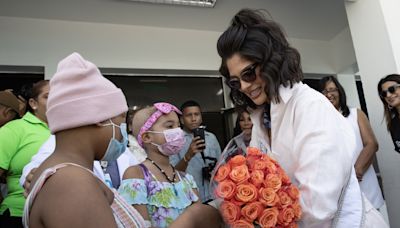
(175, 140)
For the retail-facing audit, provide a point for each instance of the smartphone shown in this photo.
(199, 132)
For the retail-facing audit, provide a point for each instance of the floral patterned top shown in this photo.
(165, 201)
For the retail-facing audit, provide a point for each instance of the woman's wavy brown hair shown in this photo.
(261, 40)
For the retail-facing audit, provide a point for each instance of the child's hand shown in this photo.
(28, 180)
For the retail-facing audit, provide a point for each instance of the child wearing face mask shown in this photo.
(158, 191)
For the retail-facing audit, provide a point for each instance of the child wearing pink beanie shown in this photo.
(86, 112)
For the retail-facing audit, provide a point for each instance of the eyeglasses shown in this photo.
(326, 91)
(391, 90)
(249, 75)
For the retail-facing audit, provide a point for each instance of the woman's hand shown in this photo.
(370, 144)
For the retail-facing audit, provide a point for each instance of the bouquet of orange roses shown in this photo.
(255, 190)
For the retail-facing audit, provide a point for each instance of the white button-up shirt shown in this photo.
(314, 144)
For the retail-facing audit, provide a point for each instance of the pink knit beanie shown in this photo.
(80, 95)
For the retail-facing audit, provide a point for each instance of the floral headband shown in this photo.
(162, 108)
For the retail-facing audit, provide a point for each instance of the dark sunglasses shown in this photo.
(391, 90)
(248, 75)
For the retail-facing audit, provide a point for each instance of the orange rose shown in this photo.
(285, 178)
(226, 189)
(271, 167)
(236, 202)
(268, 197)
(237, 161)
(257, 178)
(259, 165)
(273, 181)
(265, 157)
(269, 217)
(222, 173)
(252, 211)
(252, 151)
(242, 224)
(229, 211)
(297, 210)
(251, 160)
(286, 216)
(239, 174)
(293, 192)
(284, 198)
(292, 225)
(246, 193)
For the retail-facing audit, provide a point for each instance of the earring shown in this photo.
(390, 107)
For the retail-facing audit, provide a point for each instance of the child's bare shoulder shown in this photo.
(133, 172)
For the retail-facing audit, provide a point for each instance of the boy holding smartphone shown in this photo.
(198, 154)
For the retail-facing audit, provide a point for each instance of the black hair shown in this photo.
(189, 103)
(262, 41)
(342, 94)
(32, 90)
(388, 112)
(237, 130)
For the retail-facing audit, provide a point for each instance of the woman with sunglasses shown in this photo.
(390, 97)
(366, 143)
(302, 130)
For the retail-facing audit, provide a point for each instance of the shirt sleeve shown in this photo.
(44, 152)
(10, 142)
(323, 148)
(216, 148)
(134, 191)
(191, 181)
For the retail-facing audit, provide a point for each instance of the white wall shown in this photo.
(349, 85)
(343, 51)
(25, 41)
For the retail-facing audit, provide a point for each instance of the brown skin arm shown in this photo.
(73, 197)
(134, 172)
(370, 144)
(193, 149)
(199, 215)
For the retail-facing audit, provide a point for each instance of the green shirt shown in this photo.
(19, 141)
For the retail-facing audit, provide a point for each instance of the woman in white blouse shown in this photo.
(297, 125)
(366, 143)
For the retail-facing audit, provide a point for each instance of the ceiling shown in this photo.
(303, 19)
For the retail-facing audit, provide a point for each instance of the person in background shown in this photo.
(190, 158)
(303, 132)
(9, 110)
(389, 93)
(242, 130)
(9, 107)
(20, 139)
(241, 134)
(366, 143)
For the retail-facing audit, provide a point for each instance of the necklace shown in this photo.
(171, 180)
